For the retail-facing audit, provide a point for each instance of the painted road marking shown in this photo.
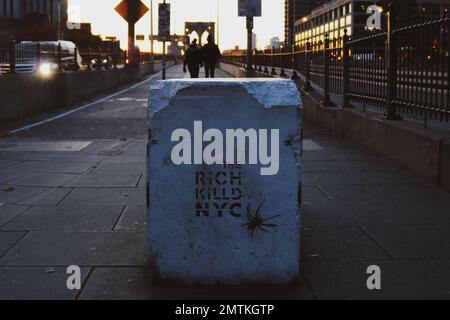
(65, 114)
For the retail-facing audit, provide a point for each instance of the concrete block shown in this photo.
(212, 219)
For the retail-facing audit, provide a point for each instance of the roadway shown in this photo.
(72, 192)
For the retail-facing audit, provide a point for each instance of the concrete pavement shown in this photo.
(72, 192)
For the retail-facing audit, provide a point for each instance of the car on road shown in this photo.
(42, 57)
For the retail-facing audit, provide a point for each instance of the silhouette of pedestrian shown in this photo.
(193, 59)
(210, 55)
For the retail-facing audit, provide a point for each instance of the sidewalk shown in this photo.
(72, 192)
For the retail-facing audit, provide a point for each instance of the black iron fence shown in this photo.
(403, 71)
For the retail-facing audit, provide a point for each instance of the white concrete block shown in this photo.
(223, 211)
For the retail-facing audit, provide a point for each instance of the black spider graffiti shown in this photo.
(256, 222)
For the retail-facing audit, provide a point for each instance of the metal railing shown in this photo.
(404, 71)
(25, 57)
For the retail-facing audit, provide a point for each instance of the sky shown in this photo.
(106, 22)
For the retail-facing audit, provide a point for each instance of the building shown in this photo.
(275, 42)
(334, 17)
(254, 41)
(294, 10)
(54, 11)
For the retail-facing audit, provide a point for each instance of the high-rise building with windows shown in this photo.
(54, 10)
(294, 10)
(336, 16)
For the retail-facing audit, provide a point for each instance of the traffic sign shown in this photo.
(164, 22)
(250, 8)
(131, 10)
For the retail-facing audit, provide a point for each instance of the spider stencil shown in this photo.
(256, 222)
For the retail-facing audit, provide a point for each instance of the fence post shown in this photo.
(326, 71)
(89, 59)
(391, 109)
(99, 58)
(272, 62)
(115, 56)
(294, 65)
(12, 56)
(307, 86)
(59, 57)
(345, 71)
(76, 67)
(38, 54)
(282, 73)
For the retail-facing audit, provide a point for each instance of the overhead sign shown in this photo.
(250, 8)
(131, 10)
(164, 22)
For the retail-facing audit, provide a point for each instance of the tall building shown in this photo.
(54, 10)
(294, 10)
(337, 16)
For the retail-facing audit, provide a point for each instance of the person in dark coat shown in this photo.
(210, 55)
(193, 59)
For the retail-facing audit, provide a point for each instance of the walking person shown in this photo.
(210, 56)
(193, 59)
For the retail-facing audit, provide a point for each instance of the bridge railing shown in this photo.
(404, 72)
(26, 57)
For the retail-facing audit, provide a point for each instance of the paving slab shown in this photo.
(351, 194)
(8, 239)
(106, 179)
(51, 180)
(338, 244)
(53, 167)
(413, 241)
(139, 167)
(43, 146)
(332, 178)
(349, 165)
(430, 201)
(389, 176)
(49, 197)
(41, 283)
(78, 248)
(106, 196)
(133, 218)
(361, 214)
(7, 163)
(8, 175)
(9, 194)
(42, 156)
(66, 218)
(138, 284)
(8, 212)
(400, 279)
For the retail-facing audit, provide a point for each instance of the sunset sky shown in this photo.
(106, 22)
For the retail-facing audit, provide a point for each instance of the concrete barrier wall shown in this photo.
(237, 72)
(445, 164)
(426, 152)
(25, 95)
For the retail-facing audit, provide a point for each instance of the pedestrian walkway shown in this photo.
(72, 192)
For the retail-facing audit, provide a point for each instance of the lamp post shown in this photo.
(218, 23)
(152, 52)
(249, 42)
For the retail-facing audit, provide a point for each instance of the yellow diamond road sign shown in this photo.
(131, 10)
